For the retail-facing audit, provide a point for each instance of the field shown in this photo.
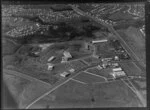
(91, 60)
(88, 78)
(70, 95)
(135, 40)
(76, 95)
(140, 84)
(120, 16)
(131, 69)
(103, 72)
(48, 77)
(61, 67)
(114, 94)
(77, 65)
(8, 47)
(104, 49)
(24, 91)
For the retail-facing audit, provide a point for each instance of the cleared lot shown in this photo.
(88, 78)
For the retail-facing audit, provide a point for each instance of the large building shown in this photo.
(99, 41)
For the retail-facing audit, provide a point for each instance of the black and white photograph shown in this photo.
(73, 55)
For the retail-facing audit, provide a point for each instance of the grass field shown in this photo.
(23, 90)
(76, 95)
(131, 69)
(103, 72)
(8, 47)
(61, 67)
(104, 49)
(114, 94)
(140, 84)
(135, 40)
(88, 78)
(70, 95)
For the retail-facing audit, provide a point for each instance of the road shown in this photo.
(140, 63)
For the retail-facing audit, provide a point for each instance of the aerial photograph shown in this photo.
(73, 55)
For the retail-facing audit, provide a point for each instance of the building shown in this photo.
(117, 69)
(67, 54)
(50, 66)
(115, 64)
(72, 70)
(51, 58)
(106, 59)
(65, 74)
(99, 41)
(64, 59)
(116, 58)
(99, 67)
(118, 74)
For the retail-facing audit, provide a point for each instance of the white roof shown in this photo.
(117, 69)
(64, 74)
(67, 54)
(97, 41)
(119, 73)
(51, 58)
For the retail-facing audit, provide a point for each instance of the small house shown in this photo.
(65, 74)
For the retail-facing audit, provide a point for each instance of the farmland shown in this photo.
(131, 69)
(104, 72)
(105, 49)
(77, 65)
(135, 40)
(88, 78)
(75, 95)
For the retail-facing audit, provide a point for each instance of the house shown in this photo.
(50, 66)
(116, 58)
(71, 70)
(65, 74)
